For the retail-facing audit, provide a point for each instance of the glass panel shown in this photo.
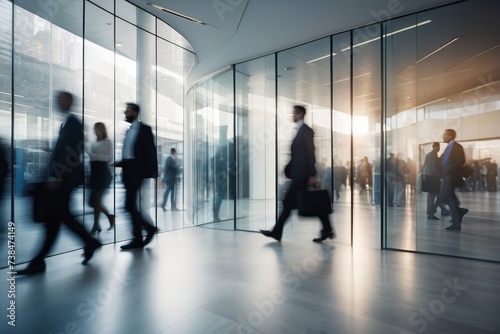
(173, 62)
(304, 79)
(400, 133)
(5, 128)
(167, 32)
(463, 59)
(136, 15)
(135, 82)
(341, 135)
(256, 143)
(366, 127)
(47, 58)
(108, 5)
(99, 107)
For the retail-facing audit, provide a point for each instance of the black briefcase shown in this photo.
(430, 183)
(314, 202)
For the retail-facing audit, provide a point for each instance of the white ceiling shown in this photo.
(238, 30)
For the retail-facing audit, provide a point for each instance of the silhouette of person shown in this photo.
(139, 162)
(219, 163)
(399, 172)
(432, 167)
(65, 174)
(302, 171)
(391, 167)
(101, 154)
(452, 161)
(170, 179)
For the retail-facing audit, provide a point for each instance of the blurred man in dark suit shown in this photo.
(170, 178)
(452, 162)
(65, 174)
(139, 162)
(302, 171)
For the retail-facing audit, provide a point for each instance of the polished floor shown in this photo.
(203, 281)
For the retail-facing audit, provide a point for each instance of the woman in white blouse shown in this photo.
(101, 154)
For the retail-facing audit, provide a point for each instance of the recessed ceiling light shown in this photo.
(166, 10)
(289, 68)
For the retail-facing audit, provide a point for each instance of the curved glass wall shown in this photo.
(104, 59)
(378, 97)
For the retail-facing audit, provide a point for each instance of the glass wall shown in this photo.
(378, 97)
(213, 168)
(5, 129)
(255, 88)
(104, 60)
(447, 77)
(366, 135)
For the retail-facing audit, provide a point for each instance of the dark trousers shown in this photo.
(132, 183)
(58, 211)
(433, 202)
(290, 203)
(220, 194)
(447, 196)
(170, 190)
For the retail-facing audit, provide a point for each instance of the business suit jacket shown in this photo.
(302, 164)
(66, 165)
(432, 164)
(454, 163)
(145, 153)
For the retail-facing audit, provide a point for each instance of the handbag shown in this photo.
(430, 183)
(313, 202)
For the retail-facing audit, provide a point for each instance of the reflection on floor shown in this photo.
(204, 281)
(407, 227)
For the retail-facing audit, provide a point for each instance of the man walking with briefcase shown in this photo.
(302, 171)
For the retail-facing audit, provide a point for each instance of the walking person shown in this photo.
(302, 171)
(101, 154)
(65, 174)
(139, 162)
(170, 179)
(432, 167)
(452, 161)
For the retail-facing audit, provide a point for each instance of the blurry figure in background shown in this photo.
(219, 164)
(101, 154)
(432, 167)
(399, 170)
(412, 174)
(170, 179)
(452, 162)
(65, 174)
(390, 178)
(491, 168)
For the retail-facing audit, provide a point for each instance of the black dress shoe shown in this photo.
(432, 217)
(325, 236)
(270, 234)
(150, 236)
(88, 251)
(132, 245)
(445, 213)
(33, 268)
(453, 227)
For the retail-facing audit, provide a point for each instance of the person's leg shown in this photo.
(165, 197)
(448, 196)
(173, 206)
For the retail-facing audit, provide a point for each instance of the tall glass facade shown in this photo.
(377, 97)
(105, 59)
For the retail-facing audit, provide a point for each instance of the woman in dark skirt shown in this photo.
(101, 154)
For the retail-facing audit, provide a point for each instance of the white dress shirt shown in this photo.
(130, 138)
